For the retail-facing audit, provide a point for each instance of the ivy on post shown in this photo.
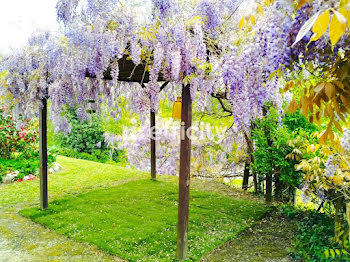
(43, 154)
(153, 145)
(184, 178)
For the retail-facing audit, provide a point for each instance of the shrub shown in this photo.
(314, 240)
(17, 137)
(85, 137)
(19, 149)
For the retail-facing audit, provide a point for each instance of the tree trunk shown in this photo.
(255, 180)
(43, 154)
(338, 218)
(268, 196)
(278, 187)
(268, 176)
(153, 145)
(250, 149)
(348, 216)
(246, 175)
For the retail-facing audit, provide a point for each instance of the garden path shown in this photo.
(267, 241)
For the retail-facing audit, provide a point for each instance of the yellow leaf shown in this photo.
(344, 3)
(338, 126)
(346, 14)
(338, 180)
(260, 9)
(336, 29)
(323, 137)
(309, 149)
(252, 19)
(306, 28)
(340, 17)
(267, 2)
(321, 25)
(241, 23)
(317, 147)
(329, 90)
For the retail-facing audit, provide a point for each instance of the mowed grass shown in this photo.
(137, 220)
(76, 177)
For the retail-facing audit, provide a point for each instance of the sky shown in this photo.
(20, 18)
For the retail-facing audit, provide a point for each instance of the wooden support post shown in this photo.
(153, 146)
(246, 175)
(43, 154)
(184, 178)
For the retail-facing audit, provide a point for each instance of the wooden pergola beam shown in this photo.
(129, 72)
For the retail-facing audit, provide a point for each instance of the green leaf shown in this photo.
(332, 253)
(326, 253)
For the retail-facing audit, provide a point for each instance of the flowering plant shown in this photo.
(17, 137)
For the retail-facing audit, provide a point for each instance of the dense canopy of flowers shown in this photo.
(186, 43)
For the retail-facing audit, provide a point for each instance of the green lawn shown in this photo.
(121, 211)
(77, 176)
(137, 220)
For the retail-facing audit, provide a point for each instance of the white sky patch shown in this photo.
(20, 18)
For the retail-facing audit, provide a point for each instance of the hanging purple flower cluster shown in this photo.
(345, 140)
(164, 7)
(247, 70)
(209, 9)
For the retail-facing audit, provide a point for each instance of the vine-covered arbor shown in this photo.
(129, 72)
(188, 45)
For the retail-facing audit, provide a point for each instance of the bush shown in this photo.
(19, 150)
(17, 137)
(86, 140)
(85, 137)
(314, 240)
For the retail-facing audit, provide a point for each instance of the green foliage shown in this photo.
(84, 136)
(24, 166)
(272, 146)
(314, 240)
(97, 155)
(137, 220)
(297, 122)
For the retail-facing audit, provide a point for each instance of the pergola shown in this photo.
(129, 72)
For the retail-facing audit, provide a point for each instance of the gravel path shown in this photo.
(267, 241)
(22, 240)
